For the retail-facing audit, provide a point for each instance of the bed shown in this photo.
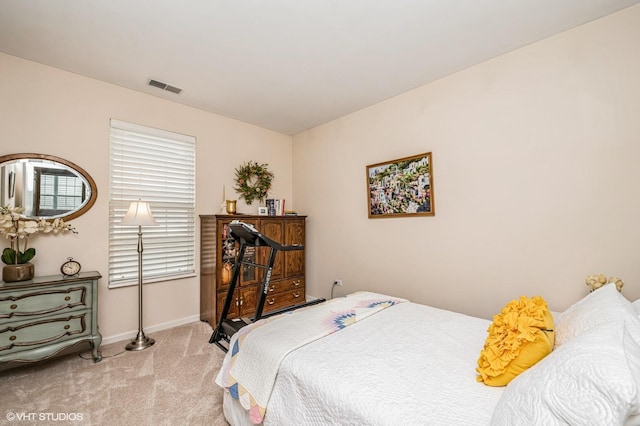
(398, 362)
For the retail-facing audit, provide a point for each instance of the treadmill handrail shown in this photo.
(246, 234)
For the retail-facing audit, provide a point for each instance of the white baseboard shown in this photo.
(148, 330)
(165, 325)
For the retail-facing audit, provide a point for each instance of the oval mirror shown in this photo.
(46, 186)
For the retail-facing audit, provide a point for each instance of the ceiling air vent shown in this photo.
(165, 86)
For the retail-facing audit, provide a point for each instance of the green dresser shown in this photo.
(47, 315)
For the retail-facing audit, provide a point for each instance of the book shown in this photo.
(275, 206)
(271, 206)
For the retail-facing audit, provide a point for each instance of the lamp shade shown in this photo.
(139, 214)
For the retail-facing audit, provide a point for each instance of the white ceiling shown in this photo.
(285, 65)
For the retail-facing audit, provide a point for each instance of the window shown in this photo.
(158, 167)
(60, 191)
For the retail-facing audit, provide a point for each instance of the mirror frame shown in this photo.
(79, 170)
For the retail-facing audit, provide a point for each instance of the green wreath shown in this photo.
(253, 181)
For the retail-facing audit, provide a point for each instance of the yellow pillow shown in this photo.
(520, 335)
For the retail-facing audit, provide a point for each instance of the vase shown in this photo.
(19, 272)
(231, 206)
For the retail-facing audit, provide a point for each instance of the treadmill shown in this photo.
(248, 236)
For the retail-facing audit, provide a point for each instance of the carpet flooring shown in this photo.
(170, 383)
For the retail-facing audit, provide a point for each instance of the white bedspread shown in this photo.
(407, 365)
(257, 350)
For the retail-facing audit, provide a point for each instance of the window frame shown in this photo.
(145, 163)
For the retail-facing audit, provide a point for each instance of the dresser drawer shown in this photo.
(281, 286)
(27, 334)
(278, 301)
(40, 302)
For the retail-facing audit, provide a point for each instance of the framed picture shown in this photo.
(263, 211)
(402, 187)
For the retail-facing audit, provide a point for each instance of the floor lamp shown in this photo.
(139, 214)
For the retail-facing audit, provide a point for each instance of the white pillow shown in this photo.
(636, 306)
(601, 306)
(592, 379)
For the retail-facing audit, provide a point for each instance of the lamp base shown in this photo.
(139, 343)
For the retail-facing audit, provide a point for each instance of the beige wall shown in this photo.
(536, 179)
(49, 111)
(534, 161)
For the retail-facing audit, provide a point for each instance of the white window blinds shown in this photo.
(158, 167)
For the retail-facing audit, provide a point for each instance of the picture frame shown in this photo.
(402, 187)
(263, 211)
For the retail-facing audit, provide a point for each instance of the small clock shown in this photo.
(70, 267)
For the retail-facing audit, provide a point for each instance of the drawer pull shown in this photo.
(271, 301)
(296, 294)
(66, 327)
(271, 288)
(12, 338)
(14, 306)
(67, 298)
(237, 303)
(241, 301)
(296, 283)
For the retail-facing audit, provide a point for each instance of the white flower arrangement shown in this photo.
(15, 226)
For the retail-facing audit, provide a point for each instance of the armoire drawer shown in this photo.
(282, 286)
(277, 301)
